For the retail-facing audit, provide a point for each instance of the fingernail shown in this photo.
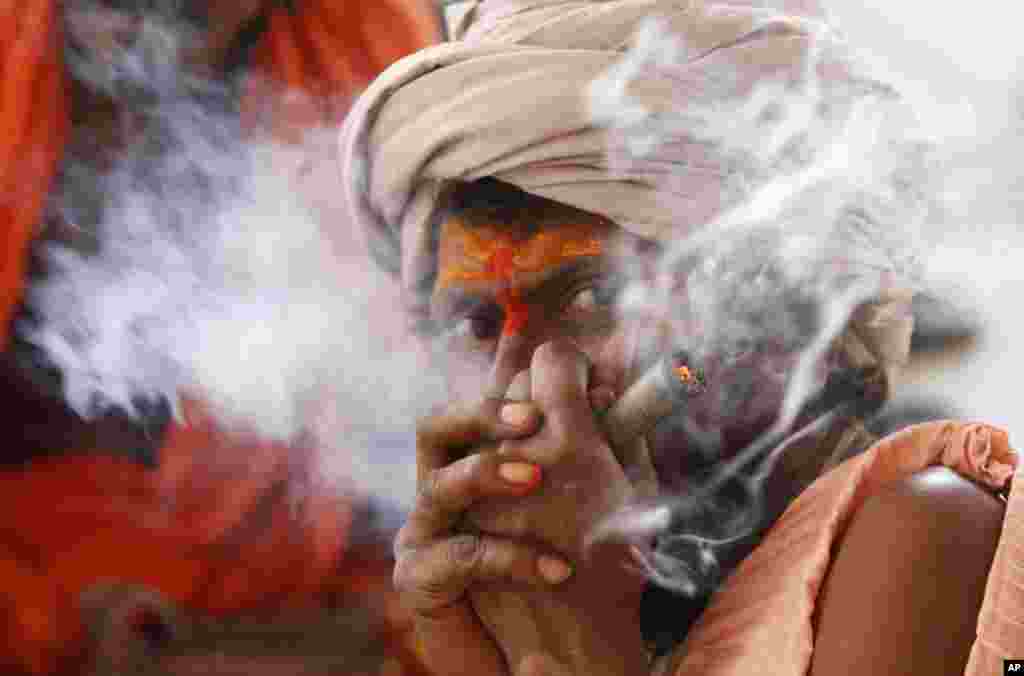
(516, 415)
(518, 472)
(554, 570)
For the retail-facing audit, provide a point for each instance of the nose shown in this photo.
(515, 351)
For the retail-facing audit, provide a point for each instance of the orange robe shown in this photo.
(764, 614)
(245, 533)
(218, 528)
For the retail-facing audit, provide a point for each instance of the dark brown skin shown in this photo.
(586, 622)
(902, 596)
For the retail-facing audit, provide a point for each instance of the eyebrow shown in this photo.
(455, 302)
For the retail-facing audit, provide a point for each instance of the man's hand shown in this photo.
(589, 625)
(583, 480)
(436, 564)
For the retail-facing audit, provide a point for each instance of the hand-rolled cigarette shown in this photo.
(664, 388)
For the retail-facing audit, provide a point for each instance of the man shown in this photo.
(132, 545)
(508, 211)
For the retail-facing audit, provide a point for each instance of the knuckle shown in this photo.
(565, 432)
(470, 470)
(431, 428)
(563, 416)
(400, 544)
(487, 413)
(452, 488)
(415, 577)
(426, 430)
(428, 492)
(399, 577)
(505, 520)
(517, 522)
(465, 551)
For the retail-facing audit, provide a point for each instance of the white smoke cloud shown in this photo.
(934, 186)
(960, 68)
(221, 271)
(826, 186)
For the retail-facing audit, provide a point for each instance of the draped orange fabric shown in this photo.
(330, 51)
(766, 611)
(216, 529)
(33, 128)
(217, 538)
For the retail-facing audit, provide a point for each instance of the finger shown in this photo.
(519, 390)
(559, 374)
(504, 518)
(462, 426)
(507, 363)
(455, 643)
(433, 579)
(445, 493)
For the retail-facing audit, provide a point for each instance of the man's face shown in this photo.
(561, 276)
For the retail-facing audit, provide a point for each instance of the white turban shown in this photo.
(508, 98)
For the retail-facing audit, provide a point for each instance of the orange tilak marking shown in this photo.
(502, 257)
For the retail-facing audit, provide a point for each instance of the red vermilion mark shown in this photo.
(501, 266)
(502, 258)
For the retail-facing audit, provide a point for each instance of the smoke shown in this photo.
(209, 274)
(205, 270)
(963, 74)
(822, 187)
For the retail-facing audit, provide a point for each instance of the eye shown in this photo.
(584, 300)
(600, 294)
(483, 324)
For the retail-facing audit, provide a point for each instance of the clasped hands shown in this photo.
(491, 560)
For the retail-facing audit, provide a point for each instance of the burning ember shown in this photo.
(689, 378)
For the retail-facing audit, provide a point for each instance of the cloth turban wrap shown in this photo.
(508, 98)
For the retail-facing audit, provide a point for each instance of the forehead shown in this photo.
(491, 220)
(466, 246)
